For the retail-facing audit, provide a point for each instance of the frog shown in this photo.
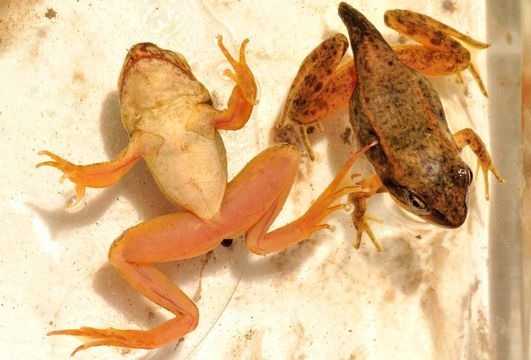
(173, 126)
(170, 148)
(417, 159)
(325, 80)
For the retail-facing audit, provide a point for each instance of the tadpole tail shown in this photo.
(357, 24)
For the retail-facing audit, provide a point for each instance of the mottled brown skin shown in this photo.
(325, 83)
(416, 158)
(440, 53)
(314, 98)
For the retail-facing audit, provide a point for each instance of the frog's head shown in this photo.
(440, 200)
(151, 77)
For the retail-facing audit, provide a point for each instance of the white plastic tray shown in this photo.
(431, 294)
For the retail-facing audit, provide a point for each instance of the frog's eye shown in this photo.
(416, 202)
(466, 174)
(470, 177)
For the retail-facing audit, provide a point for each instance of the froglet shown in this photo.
(417, 159)
(169, 116)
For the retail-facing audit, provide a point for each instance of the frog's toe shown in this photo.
(92, 337)
(242, 74)
(70, 172)
(245, 76)
(107, 337)
(485, 168)
(57, 161)
(296, 134)
(303, 133)
(80, 194)
(365, 228)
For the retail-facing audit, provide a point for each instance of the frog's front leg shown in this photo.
(103, 174)
(360, 218)
(252, 201)
(243, 96)
(469, 137)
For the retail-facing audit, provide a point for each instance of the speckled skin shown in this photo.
(416, 157)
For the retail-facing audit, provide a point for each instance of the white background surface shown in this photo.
(425, 296)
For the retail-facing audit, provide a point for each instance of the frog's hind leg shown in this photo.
(166, 238)
(440, 54)
(320, 88)
(469, 137)
(161, 290)
(252, 201)
(261, 242)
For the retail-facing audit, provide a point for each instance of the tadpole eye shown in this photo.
(416, 202)
(465, 174)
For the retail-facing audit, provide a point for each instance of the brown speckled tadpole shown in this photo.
(399, 108)
(417, 159)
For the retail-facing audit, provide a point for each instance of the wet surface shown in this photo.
(425, 296)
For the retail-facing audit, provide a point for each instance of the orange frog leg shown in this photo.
(324, 84)
(104, 174)
(243, 96)
(261, 188)
(360, 217)
(469, 137)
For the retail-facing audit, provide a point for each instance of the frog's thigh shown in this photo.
(260, 186)
(426, 30)
(334, 94)
(171, 237)
(259, 241)
(438, 55)
(443, 54)
(432, 62)
(320, 86)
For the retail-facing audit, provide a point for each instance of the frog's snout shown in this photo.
(453, 221)
(454, 217)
